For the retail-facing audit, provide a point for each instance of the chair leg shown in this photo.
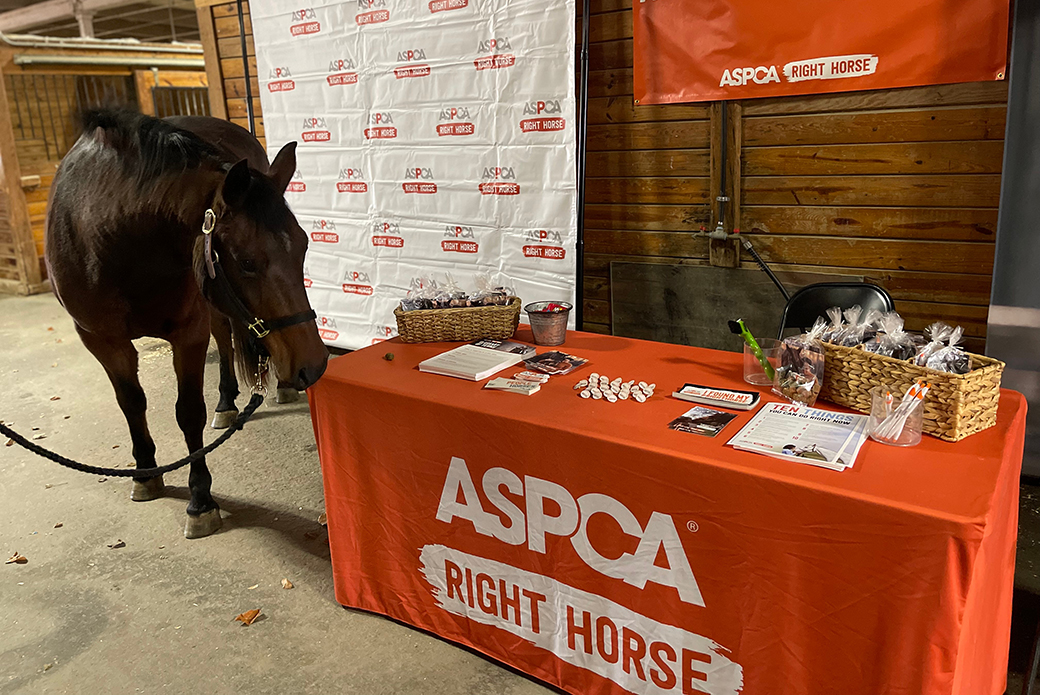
(1034, 662)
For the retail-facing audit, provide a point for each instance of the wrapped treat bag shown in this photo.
(418, 295)
(891, 340)
(860, 326)
(837, 325)
(452, 293)
(485, 292)
(799, 375)
(938, 335)
(951, 358)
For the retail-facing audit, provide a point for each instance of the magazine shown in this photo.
(807, 435)
(554, 362)
(701, 420)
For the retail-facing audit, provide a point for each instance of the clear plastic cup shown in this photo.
(889, 426)
(754, 373)
(548, 327)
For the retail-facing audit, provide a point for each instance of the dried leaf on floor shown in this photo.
(58, 525)
(286, 584)
(9, 442)
(117, 544)
(50, 328)
(55, 398)
(16, 559)
(323, 519)
(47, 486)
(249, 617)
(115, 446)
(39, 436)
(253, 587)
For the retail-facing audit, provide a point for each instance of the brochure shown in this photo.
(520, 386)
(554, 362)
(469, 362)
(506, 346)
(807, 435)
(701, 420)
(724, 398)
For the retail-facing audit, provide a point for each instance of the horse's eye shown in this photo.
(247, 266)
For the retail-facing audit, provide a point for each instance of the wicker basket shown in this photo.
(957, 405)
(469, 323)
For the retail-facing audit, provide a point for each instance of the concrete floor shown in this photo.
(157, 616)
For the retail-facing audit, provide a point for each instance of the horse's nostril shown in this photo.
(309, 375)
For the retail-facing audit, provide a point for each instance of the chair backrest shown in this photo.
(813, 301)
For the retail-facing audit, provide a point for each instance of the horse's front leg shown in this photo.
(226, 411)
(189, 361)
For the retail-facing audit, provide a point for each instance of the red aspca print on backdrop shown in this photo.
(455, 120)
(459, 239)
(498, 180)
(544, 243)
(497, 59)
(381, 126)
(445, 5)
(307, 276)
(546, 116)
(351, 180)
(341, 72)
(324, 231)
(297, 184)
(419, 180)
(357, 282)
(280, 81)
(386, 233)
(416, 69)
(304, 22)
(383, 333)
(372, 12)
(327, 327)
(315, 129)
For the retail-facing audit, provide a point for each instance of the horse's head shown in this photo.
(259, 249)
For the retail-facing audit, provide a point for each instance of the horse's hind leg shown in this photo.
(189, 361)
(119, 358)
(226, 411)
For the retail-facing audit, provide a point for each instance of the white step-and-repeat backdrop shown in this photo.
(434, 136)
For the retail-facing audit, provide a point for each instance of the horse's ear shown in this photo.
(236, 183)
(284, 166)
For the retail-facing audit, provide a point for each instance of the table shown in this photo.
(590, 546)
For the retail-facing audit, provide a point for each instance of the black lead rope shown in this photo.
(140, 473)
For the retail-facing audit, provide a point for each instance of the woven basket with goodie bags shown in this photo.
(458, 324)
(957, 405)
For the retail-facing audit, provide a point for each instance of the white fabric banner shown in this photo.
(434, 136)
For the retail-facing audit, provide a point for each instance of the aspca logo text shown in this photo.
(545, 120)
(416, 70)
(458, 239)
(307, 24)
(383, 333)
(387, 233)
(324, 231)
(327, 327)
(315, 129)
(351, 180)
(341, 71)
(454, 120)
(500, 43)
(371, 12)
(357, 282)
(280, 81)
(444, 5)
(297, 184)
(498, 180)
(567, 517)
(418, 180)
(307, 282)
(544, 243)
(738, 77)
(380, 126)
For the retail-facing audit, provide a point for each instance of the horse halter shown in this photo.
(258, 327)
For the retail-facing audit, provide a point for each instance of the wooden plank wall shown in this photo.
(899, 186)
(228, 85)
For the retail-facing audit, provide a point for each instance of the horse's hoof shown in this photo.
(287, 396)
(222, 419)
(146, 490)
(205, 524)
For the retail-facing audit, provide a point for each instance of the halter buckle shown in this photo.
(209, 222)
(259, 328)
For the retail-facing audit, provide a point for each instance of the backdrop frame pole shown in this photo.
(245, 69)
(583, 114)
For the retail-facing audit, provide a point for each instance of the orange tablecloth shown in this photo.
(588, 545)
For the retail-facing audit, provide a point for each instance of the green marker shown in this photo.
(738, 328)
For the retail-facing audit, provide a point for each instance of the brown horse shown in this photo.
(149, 227)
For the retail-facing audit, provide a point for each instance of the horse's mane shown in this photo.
(150, 148)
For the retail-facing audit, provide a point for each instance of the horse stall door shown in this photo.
(165, 93)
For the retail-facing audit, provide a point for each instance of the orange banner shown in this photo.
(705, 50)
(589, 545)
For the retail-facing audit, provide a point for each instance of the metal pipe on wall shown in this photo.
(583, 115)
(245, 68)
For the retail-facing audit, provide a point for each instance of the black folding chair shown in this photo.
(813, 301)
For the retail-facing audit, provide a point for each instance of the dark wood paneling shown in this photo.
(951, 224)
(961, 157)
(648, 163)
(957, 190)
(648, 136)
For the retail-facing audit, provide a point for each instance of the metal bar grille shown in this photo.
(180, 101)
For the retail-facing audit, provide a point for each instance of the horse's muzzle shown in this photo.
(307, 376)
